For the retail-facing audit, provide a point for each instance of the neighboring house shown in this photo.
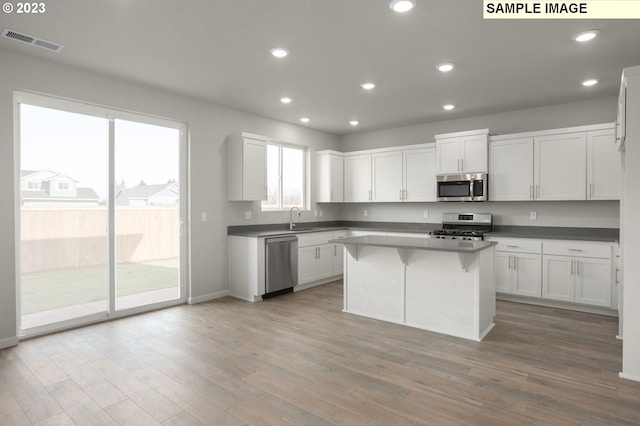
(46, 187)
(167, 194)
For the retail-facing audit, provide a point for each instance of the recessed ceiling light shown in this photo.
(286, 100)
(590, 82)
(586, 35)
(445, 67)
(354, 122)
(402, 6)
(448, 107)
(367, 86)
(279, 52)
(305, 119)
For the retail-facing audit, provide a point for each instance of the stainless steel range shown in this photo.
(464, 226)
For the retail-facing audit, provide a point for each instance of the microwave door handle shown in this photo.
(471, 185)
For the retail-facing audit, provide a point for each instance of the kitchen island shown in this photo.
(445, 286)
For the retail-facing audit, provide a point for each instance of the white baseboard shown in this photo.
(8, 342)
(207, 297)
(629, 377)
(557, 304)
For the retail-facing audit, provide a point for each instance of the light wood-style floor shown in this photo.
(298, 360)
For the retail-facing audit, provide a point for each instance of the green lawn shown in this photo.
(43, 291)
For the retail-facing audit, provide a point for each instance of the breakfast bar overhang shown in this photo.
(445, 286)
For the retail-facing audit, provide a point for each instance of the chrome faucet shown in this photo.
(291, 224)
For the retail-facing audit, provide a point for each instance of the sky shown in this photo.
(76, 145)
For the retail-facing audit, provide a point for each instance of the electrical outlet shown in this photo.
(320, 213)
(366, 213)
(533, 216)
(248, 215)
(315, 213)
(203, 216)
(426, 214)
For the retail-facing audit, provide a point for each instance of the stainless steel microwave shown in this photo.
(462, 187)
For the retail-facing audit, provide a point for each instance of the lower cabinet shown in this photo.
(518, 273)
(577, 279)
(319, 260)
(568, 271)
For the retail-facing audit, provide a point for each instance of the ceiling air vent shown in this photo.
(34, 41)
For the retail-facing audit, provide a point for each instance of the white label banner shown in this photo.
(562, 9)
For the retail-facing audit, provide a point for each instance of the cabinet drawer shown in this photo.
(518, 245)
(314, 238)
(577, 249)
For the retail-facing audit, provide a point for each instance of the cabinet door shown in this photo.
(338, 259)
(604, 178)
(473, 154)
(448, 156)
(527, 274)
(387, 176)
(511, 170)
(330, 178)
(503, 272)
(557, 278)
(560, 167)
(307, 259)
(324, 263)
(593, 281)
(420, 175)
(254, 170)
(357, 178)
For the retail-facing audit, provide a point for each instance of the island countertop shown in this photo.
(417, 243)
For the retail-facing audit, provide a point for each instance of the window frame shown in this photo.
(305, 177)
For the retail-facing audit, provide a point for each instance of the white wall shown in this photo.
(602, 214)
(587, 214)
(209, 124)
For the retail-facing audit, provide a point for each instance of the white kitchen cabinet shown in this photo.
(518, 266)
(387, 176)
(330, 177)
(578, 272)
(419, 174)
(511, 169)
(317, 257)
(357, 178)
(560, 167)
(604, 168)
(462, 152)
(247, 163)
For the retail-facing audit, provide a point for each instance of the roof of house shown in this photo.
(146, 191)
(81, 194)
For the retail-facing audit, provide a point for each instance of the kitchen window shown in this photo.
(286, 177)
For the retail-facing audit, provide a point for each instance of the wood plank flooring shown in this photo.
(298, 360)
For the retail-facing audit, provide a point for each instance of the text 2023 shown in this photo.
(31, 8)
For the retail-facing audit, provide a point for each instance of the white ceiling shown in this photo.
(218, 50)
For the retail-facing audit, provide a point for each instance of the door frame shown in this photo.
(109, 114)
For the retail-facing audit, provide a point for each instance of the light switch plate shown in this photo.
(533, 216)
(366, 213)
(203, 216)
(248, 215)
(426, 214)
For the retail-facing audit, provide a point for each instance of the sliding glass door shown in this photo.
(101, 213)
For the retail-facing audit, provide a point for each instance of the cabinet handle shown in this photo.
(577, 267)
(335, 251)
(401, 195)
(590, 190)
(537, 191)
(369, 195)
(531, 192)
(571, 266)
(515, 263)
(509, 262)
(513, 246)
(574, 250)
(462, 164)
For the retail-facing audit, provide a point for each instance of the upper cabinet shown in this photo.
(560, 167)
(578, 163)
(462, 152)
(330, 177)
(357, 178)
(604, 166)
(387, 176)
(419, 174)
(247, 165)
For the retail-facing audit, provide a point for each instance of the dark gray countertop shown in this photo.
(542, 232)
(417, 243)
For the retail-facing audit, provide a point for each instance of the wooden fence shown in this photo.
(61, 238)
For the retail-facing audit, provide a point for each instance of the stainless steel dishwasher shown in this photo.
(281, 265)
